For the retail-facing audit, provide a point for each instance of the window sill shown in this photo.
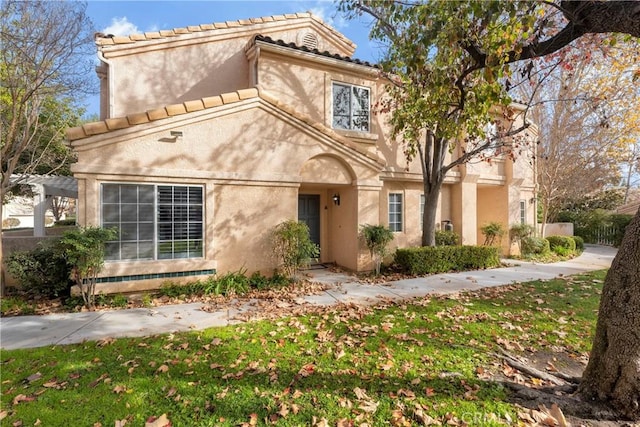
(366, 137)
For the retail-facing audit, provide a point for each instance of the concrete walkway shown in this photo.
(68, 328)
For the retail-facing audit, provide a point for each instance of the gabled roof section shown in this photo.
(267, 39)
(107, 126)
(104, 40)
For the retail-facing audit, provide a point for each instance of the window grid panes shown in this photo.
(395, 212)
(179, 222)
(153, 222)
(130, 209)
(351, 107)
(523, 211)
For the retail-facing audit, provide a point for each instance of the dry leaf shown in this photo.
(162, 369)
(163, 421)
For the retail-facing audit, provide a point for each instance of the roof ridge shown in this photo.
(102, 39)
(315, 51)
(130, 120)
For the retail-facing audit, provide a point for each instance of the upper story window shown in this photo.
(351, 107)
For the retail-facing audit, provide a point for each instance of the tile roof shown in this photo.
(102, 39)
(328, 54)
(105, 126)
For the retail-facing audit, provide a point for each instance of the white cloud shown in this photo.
(121, 27)
(328, 13)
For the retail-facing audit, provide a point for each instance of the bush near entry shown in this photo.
(562, 245)
(441, 259)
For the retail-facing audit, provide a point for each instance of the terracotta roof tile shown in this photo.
(327, 54)
(230, 97)
(175, 109)
(137, 118)
(196, 105)
(212, 101)
(117, 123)
(158, 113)
(103, 40)
(131, 120)
(95, 128)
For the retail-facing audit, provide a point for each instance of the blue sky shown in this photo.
(129, 17)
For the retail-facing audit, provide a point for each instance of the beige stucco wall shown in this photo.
(253, 161)
(152, 73)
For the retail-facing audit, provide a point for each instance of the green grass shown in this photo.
(371, 365)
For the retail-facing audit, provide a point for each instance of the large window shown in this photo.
(350, 107)
(154, 221)
(523, 211)
(395, 211)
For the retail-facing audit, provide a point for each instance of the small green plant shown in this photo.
(233, 283)
(531, 245)
(447, 238)
(579, 243)
(562, 245)
(84, 250)
(10, 305)
(293, 247)
(146, 300)
(42, 271)
(377, 238)
(119, 301)
(493, 233)
(519, 232)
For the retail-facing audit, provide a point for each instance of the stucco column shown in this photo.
(39, 209)
(368, 213)
(464, 209)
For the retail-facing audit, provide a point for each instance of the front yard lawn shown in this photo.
(423, 362)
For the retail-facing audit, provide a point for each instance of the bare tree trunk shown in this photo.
(613, 373)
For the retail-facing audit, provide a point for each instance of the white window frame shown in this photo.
(523, 211)
(396, 207)
(192, 225)
(353, 108)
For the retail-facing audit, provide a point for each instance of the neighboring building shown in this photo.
(212, 135)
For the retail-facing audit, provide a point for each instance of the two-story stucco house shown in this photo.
(211, 135)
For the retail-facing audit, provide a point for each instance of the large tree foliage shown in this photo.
(457, 54)
(45, 62)
(586, 111)
(439, 98)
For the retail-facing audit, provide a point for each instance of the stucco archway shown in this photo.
(327, 202)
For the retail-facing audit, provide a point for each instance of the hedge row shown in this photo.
(441, 259)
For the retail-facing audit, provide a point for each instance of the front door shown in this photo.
(309, 213)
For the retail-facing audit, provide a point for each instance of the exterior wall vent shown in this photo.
(310, 41)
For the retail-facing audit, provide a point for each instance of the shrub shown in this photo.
(84, 250)
(519, 232)
(562, 245)
(440, 259)
(233, 283)
(292, 246)
(579, 243)
(261, 282)
(532, 245)
(377, 237)
(447, 238)
(42, 271)
(65, 222)
(493, 233)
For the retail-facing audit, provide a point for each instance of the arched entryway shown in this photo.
(327, 203)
